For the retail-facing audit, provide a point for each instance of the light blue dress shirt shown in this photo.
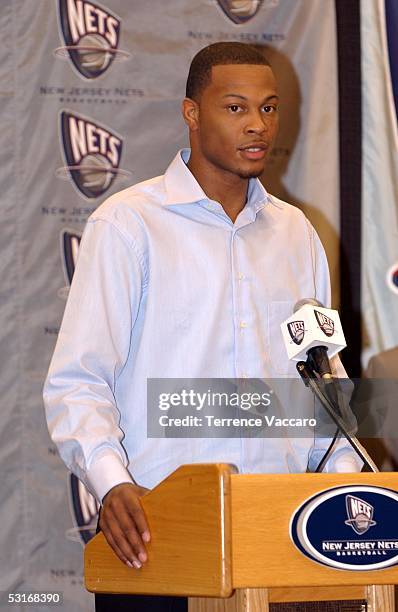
(167, 286)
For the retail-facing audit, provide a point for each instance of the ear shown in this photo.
(190, 112)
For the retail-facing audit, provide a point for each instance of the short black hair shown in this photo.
(219, 54)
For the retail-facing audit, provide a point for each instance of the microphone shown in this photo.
(313, 333)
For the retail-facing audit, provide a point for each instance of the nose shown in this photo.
(256, 123)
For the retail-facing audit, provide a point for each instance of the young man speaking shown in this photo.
(187, 275)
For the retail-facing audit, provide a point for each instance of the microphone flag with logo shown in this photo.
(312, 326)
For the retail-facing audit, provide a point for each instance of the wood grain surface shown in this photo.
(190, 549)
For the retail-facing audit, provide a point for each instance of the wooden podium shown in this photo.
(222, 539)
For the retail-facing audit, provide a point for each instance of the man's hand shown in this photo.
(123, 523)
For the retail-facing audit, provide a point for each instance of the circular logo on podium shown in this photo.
(349, 528)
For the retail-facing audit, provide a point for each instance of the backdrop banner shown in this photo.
(379, 177)
(90, 101)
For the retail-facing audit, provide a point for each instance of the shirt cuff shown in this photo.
(105, 473)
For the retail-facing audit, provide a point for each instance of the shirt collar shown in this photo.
(183, 188)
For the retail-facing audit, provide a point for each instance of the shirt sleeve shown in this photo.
(343, 459)
(92, 348)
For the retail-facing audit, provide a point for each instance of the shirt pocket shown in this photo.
(278, 312)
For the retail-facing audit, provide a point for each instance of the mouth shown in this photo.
(254, 151)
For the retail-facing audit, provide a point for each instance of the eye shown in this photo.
(270, 108)
(234, 108)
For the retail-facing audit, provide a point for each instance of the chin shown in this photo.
(248, 174)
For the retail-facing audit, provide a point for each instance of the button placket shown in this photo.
(240, 316)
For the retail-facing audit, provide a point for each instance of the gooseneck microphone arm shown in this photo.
(311, 382)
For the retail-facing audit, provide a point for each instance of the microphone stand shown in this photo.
(309, 380)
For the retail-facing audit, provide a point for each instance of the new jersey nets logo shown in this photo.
(240, 11)
(92, 154)
(392, 278)
(70, 242)
(91, 35)
(325, 323)
(360, 514)
(84, 512)
(296, 331)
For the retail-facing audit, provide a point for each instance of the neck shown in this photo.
(220, 185)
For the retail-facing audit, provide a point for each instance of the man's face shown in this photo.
(237, 119)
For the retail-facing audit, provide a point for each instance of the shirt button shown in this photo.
(242, 324)
(241, 276)
(244, 375)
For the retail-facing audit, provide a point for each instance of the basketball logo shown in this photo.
(296, 331)
(360, 514)
(392, 278)
(325, 323)
(84, 511)
(92, 154)
(240, 11)
(70, 242)
(91, 36)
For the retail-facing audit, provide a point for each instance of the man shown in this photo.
(187, 275)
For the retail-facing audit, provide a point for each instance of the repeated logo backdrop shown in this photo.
(92, 97)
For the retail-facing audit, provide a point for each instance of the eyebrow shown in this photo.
(232, 95)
